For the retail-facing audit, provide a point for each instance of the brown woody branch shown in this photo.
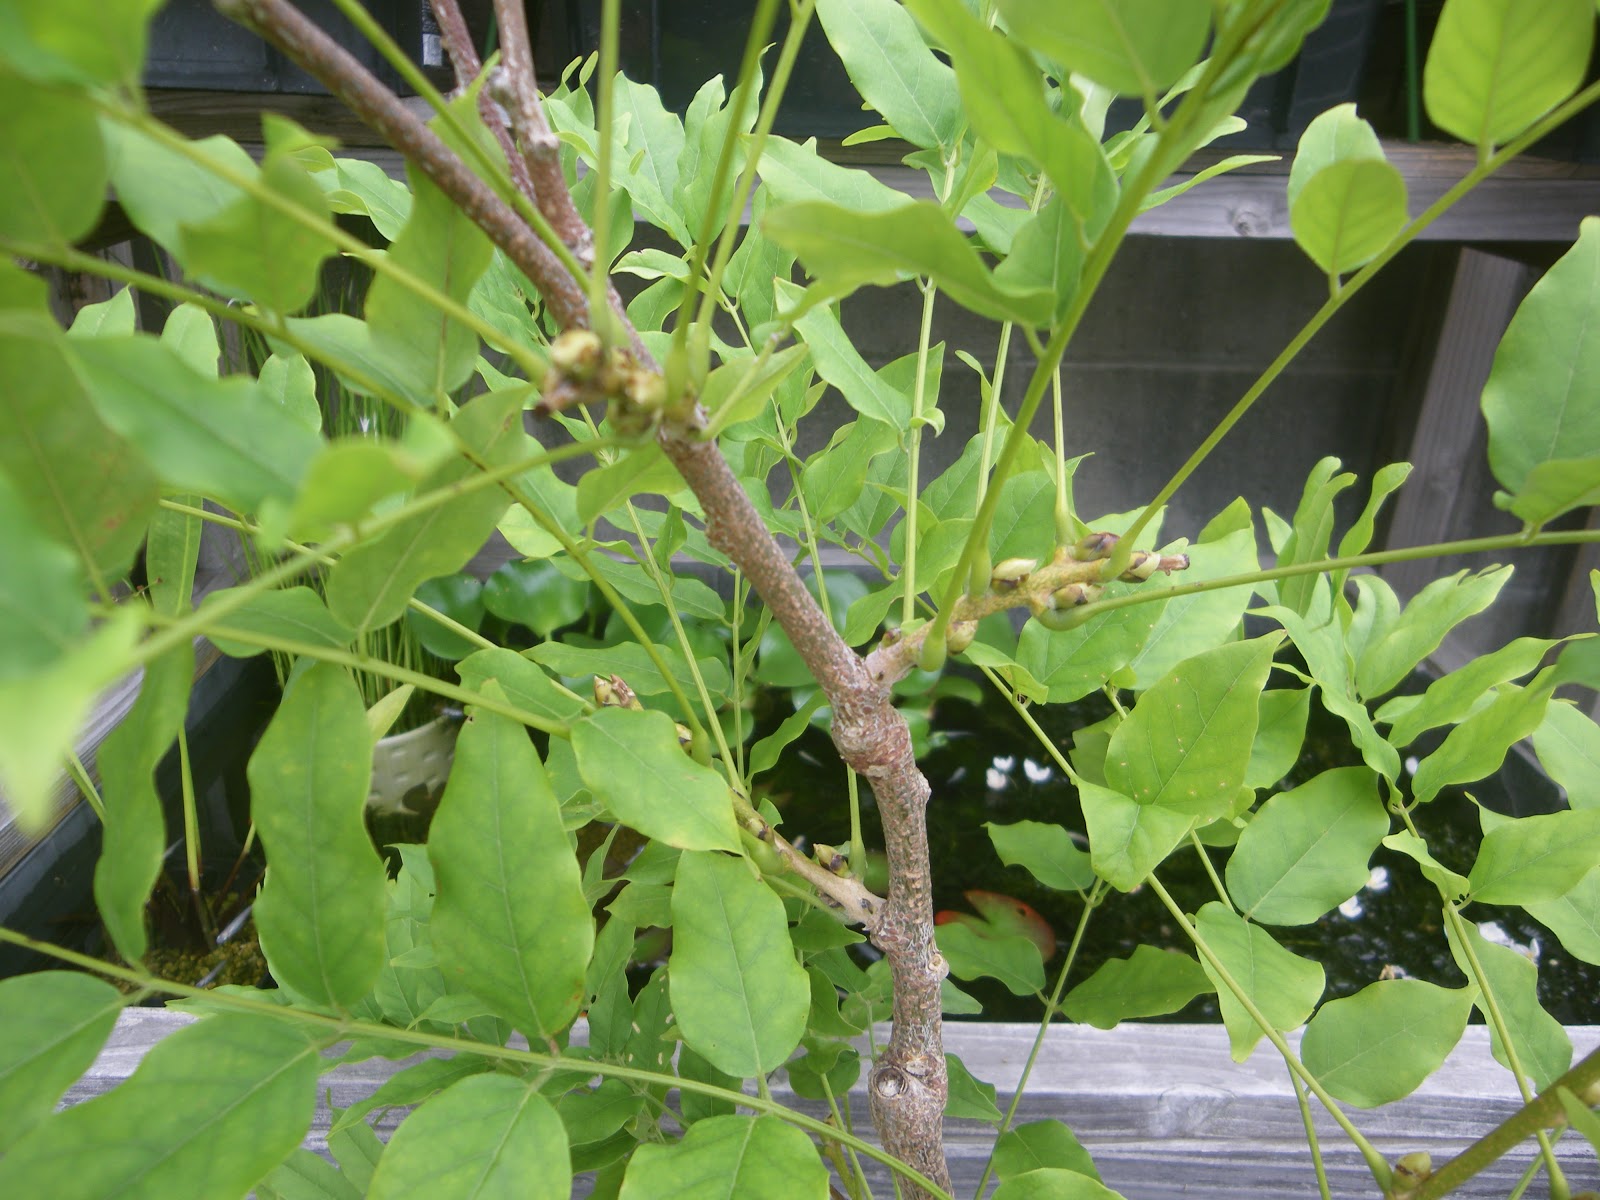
(908, 1083)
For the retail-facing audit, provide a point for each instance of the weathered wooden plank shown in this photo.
(1162, 1108)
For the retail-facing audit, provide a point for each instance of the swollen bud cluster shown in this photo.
(583, 368)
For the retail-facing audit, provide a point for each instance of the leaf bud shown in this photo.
(1094, 546)
(1059, 620)
(1141, 566)
(646, 389)
(1009, 573)
(934, 652)
(960, 635)
(978, 579)
(1413, 1168)
(577, 353)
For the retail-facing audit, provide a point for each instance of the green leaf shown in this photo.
(640, 471)
(1280, 732)
(524, 684)
(1283, 986)
(1567, 742)
(740, 389)
(1047, 852)
(1186, 744)
(441, 246)
(458, 597)
(52, 1026)
(633, 764)
(894, 70)
(1542, 1045)
(1013, 959)
(968, 1097)
(1555, 487)
(1128, 840)
(357, 186)
(306, 1176)
(1150, 983)
(43, 712)
(1046, 254)
(294, 614)
(740, 996)
(1541, 400)
(1491, 72)
(629, 660)
(535, 594)
(730, 1158)
(793, 172)
(1476, 747)
(1451, 697)
(1307, 850)
(1041, 1145)
(1379, 1045)
(848, 249)
(764, 755)
(1536, 858)
(369, 587)
(42, 613)
(54, 163)
(1432, 613)
(490, 1137)
(134, 839)
(210, 1110)
(76, 41)
(1133, 47)
(509, 918)
(320, 914)
(1574, 918)
(1187, 625)
(162, 190)
(1051, 1183)
(654, 144)
(219, 437)
(1082, 660)
(86, 486)
(1581, 1117)
(109, 318)
(1347, 203)
(1450, 884)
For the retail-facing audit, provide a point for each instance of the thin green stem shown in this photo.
(1052, 1006)
(914, 446)
(1211, 871)
(191, 836)
(1485, 168)
(858, 843)
(799, 21)
(1497, 1021)
(857, 1179)
(343, 1027)
(1529, 1174)
(1375, 1161)
(1312, 1141)
(1066, 535)
(605, 122)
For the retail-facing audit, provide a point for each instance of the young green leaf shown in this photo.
(1477, 746)
(629, 660)
(510, 920)
(370, 586)
(791, 172)
(840, 364)
(740, 996)
(1280, 732)
(1581, 1117)
(634, 765)
(1535, 858)
(307, 1176)
(1051, 1183)
(894, 70)
(1013, 958)
(1133, 47)
(1574, 918)
(1451, 885)
(1047, 852)
(846, 250)
(219, 437)
(294, 614)
(210, 1110)
(1346, 202)
(1379, 1045)
(1187, 625)
(1186, 744)
(1128, 840)
(1389, 657)
(1307, 849)
(1041, 1145)
(736, 1157)
(484, 1138)
(1451, 697)
(654, 144)
(1567, 742)
(320, 913)
(52, 1025)
(1149, 983)
(135, 833)
(1491, 72)
(55, 164)
(1283, 986)
(42, 611)
(1541, 398)
(968, 1098)
(78, 41)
